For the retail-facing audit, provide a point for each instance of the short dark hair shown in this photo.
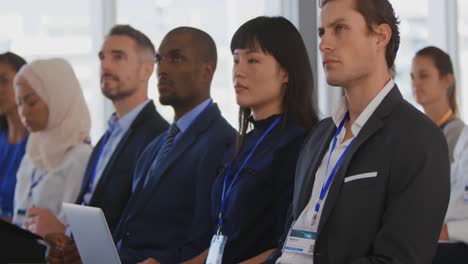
(142, 41)
(377, 12)
(444, 66)
(203, 42)
(14, 60)
(279, 38)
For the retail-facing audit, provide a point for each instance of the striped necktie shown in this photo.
(164, 151)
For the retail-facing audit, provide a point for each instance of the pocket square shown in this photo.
(360, 176)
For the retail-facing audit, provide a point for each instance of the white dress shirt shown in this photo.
(61, 184)
(305, 219)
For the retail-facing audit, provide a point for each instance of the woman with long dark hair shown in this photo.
(274, 88)
(273, 82)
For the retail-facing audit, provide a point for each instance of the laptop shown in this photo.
(91, 234)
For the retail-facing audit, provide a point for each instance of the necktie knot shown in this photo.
(173, 130)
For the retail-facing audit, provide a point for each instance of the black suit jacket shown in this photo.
(115, 185)
(169, 219)
(395, 217)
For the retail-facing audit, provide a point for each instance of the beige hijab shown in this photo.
(69, 120)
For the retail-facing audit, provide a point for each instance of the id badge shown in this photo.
(300, 240)
(20, 217)
(215, 254)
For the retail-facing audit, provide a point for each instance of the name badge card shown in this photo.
(300, 240)
(215, 254)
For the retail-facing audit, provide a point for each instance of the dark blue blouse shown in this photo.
(257, 205)
(10, 159)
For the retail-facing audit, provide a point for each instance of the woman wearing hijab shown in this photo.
(54, 111)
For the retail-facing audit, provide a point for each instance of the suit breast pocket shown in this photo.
(362, 195)
(360, 177)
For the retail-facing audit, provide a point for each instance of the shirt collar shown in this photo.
(342, 107)
(124, 123)
(184, 122)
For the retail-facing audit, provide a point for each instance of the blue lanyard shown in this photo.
(327, 183)
(34, 182)
(225, 193)
(101, 148)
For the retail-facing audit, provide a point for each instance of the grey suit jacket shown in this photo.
(395, 217)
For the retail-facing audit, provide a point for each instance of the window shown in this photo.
(37, 31)
(462, 78)
(414, 35)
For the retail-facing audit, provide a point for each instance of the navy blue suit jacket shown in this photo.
(169, 219)
(115, 185)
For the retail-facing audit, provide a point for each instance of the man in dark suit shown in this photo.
(127, 62)
(167, 217)
(372, 182)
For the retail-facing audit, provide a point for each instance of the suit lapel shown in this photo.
(372, 126)
(144, 114)
(306, 169)
(110, 164)
(140, 174)
(180, 147)
(183, 144)
(89, 170)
